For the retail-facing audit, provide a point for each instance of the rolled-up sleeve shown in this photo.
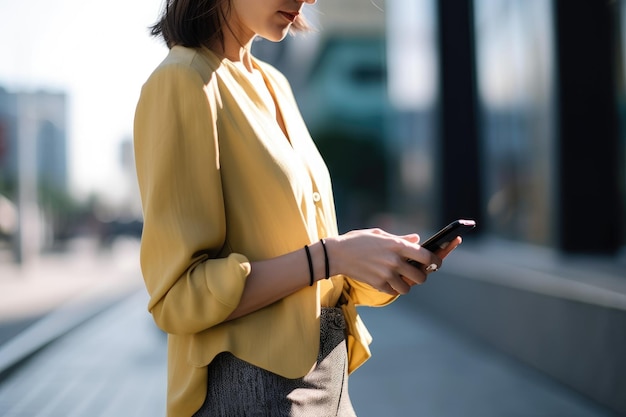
(177, 159)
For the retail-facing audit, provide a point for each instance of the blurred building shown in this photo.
(47, 116)
(33, 168)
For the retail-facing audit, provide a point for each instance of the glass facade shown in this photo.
(411, 40)
(515, 77)
(515, 61)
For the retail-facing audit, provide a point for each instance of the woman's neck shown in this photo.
(240, 54)
(236, 40)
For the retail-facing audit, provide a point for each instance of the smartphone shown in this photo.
(445, 236)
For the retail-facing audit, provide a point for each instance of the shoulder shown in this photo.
(185, 65)
(181, 85)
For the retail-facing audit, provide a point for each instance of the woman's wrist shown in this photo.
(332, 256)
(326, 261)
(321, 266)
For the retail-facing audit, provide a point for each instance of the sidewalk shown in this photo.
(44, 283)
(422, 367)
(115, 366)
(48, 297)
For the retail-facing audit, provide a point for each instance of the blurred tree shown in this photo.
(63, 213)
(64, 216)
(358, 166)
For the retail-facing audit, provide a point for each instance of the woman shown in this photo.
(240, 252)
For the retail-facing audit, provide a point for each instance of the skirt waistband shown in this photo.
(333, 318)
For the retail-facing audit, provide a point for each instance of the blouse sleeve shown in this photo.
(177, 157)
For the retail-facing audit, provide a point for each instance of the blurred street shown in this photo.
(103, 356)
(83, 278)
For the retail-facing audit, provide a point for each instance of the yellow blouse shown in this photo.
(221, 186)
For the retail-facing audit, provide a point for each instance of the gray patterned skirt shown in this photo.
(237, 388)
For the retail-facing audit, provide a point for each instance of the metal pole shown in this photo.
(460, 170)
(26, 243)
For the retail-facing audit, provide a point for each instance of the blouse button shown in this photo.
(316, 197)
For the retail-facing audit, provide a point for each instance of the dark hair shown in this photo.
(191, 23)
(195, 23)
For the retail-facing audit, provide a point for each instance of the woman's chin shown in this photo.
(276, 36)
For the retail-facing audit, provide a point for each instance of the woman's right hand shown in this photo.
(378, 258)
(371, 256)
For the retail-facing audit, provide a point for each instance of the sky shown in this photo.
(99, 54)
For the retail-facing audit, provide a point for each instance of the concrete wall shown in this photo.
(547, 316)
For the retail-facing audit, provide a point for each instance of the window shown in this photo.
(514, 56)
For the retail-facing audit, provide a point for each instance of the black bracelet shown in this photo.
(308, 257)
(326, 259)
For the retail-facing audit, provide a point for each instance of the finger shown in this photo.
(382, 232)
(424, 260)
(420, 256)
(413, 238)
(408, 281)
(399, 285)
(388, 289)
(417, 279)
(414, 273)
(445, 251)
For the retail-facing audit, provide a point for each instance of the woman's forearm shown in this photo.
(273, 279)
(371, 256)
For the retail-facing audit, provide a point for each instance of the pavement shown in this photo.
(93, 350)
(47, 297)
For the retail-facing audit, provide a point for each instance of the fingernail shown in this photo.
(431, 268)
